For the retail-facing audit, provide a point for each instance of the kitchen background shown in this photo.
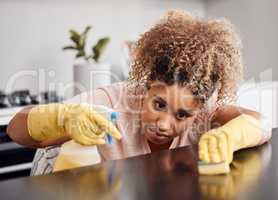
(32, 34)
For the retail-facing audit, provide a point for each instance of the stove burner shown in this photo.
(23, 97)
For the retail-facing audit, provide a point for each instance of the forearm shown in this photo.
(226, 113)
(266, 131)
(18, 132)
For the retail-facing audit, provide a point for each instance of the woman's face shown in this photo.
(167, 112)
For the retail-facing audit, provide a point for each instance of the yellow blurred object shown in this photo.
(246, 170)
(218, 145)
(81, 122)
(73, 155)
(103, 182)
(98, 185)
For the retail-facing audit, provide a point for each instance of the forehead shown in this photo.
(175, 95)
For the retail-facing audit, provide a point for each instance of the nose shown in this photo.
(164, 124)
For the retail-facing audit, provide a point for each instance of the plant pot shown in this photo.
(89, 76)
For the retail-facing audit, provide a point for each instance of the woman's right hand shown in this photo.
(86, 126)
(81, 122)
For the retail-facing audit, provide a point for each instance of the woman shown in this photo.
(183, 79)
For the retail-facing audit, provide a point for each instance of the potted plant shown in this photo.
(88, 73)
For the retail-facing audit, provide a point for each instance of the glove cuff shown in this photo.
(44, 122)
(245, 130)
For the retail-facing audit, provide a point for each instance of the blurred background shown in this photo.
(34, 69)
(33, 32)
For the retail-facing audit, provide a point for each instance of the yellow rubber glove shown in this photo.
(78, 121)
(218, 145)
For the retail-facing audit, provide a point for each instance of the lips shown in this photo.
(161, 135)
(156, 133)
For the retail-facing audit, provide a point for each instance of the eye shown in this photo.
(159, 105)
(182, 114)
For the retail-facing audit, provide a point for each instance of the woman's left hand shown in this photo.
(216, 146)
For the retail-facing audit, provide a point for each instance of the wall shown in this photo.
(33, 33)
(257, 23)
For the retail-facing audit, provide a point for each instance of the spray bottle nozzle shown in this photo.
(113, 117)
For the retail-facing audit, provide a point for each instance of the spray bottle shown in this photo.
(74, 155)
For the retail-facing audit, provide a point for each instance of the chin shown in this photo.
(156, 140)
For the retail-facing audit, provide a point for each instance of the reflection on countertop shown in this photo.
(246, 170)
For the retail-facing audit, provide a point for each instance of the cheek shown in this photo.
(149, 114)
(184, 125)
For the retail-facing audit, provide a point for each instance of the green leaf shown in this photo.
(83, 37)
(74, 36)
(80, 54)
(82, 42)
(69, 48)
(75, 39)
(100, 47)
(74, 33)
(87, 29)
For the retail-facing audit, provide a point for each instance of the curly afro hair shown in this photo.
(203, 55)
